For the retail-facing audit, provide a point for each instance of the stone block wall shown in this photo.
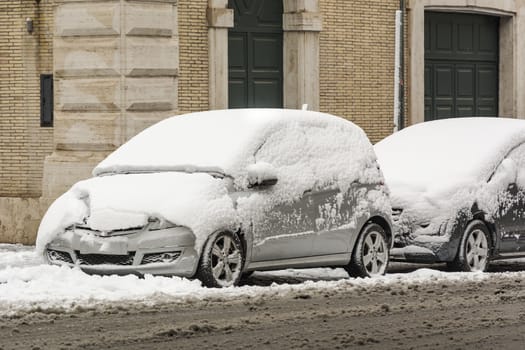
(357, 62)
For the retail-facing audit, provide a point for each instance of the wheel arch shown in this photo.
(204, 270)
(385, 225)
(491, 227)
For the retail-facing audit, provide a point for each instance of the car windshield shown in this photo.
(217, 142)
(214, 174)
(447, 153)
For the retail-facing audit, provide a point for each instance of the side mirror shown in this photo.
(261, 174)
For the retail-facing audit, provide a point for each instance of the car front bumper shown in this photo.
(160, 252)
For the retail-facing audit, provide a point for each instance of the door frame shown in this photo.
(511, 75)
(456, 61)
(302, 24)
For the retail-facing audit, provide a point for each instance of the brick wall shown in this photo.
(357, 62)
(23, 56)
(193, 55)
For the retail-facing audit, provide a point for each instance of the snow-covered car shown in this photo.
(221, 193)
(457, 190)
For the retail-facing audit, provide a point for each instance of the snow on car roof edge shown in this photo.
(430, 156)
(215, 141)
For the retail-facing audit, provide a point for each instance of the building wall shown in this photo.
(23, 56)
(193, 55)
(357, 63)
(356, 82)
(23, 143)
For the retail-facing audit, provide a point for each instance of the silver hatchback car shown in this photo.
(219, 194)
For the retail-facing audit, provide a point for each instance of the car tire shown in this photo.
(371, 254)
(474, 249)
(247, 274)
(221, 261)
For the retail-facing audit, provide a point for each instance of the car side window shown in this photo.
(284, 150)
(306, 155)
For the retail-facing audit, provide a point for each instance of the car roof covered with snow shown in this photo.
(440, 156)
(222, 141)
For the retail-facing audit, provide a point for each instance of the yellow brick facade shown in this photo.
(193, 55)
(357, 62)
(23, 57)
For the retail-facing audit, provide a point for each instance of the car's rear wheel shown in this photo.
(370, 256)
(474, 250)
(221, 260)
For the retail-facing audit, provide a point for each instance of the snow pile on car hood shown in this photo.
(107, 203)
(433, 169)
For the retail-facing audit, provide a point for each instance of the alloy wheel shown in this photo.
(226, 260)
(375, 253)
(477, 250)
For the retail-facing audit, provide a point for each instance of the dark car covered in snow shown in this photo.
(221, 193)
(457, 190)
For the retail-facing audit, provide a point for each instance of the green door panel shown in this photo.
(461, 65)
(255, 54)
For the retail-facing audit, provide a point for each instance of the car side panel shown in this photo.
(285, 231)
(510, 221)
(330, 211)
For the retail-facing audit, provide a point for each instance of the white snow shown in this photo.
(126, 201)
(223, 141)
(260, 171)
(159, 173)
(28, 285)
(436, 168)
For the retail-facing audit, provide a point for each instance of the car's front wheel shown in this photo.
(221, 260)
(370, 256)
(474, 250)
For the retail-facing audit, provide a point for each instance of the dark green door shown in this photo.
(461, 65)
(255, 54)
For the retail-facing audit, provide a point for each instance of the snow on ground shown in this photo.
(28, 285)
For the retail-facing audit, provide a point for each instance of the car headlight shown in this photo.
(159, 224)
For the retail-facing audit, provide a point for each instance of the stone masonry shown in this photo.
(116, 66)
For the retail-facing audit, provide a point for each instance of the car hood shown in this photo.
(198, 201)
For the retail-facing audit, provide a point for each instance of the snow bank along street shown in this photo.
(29, 285)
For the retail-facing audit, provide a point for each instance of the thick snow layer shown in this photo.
(436, 168)
(223, 141)
(26, 285)
(304, 150)
(443, 155)
(127, 201)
